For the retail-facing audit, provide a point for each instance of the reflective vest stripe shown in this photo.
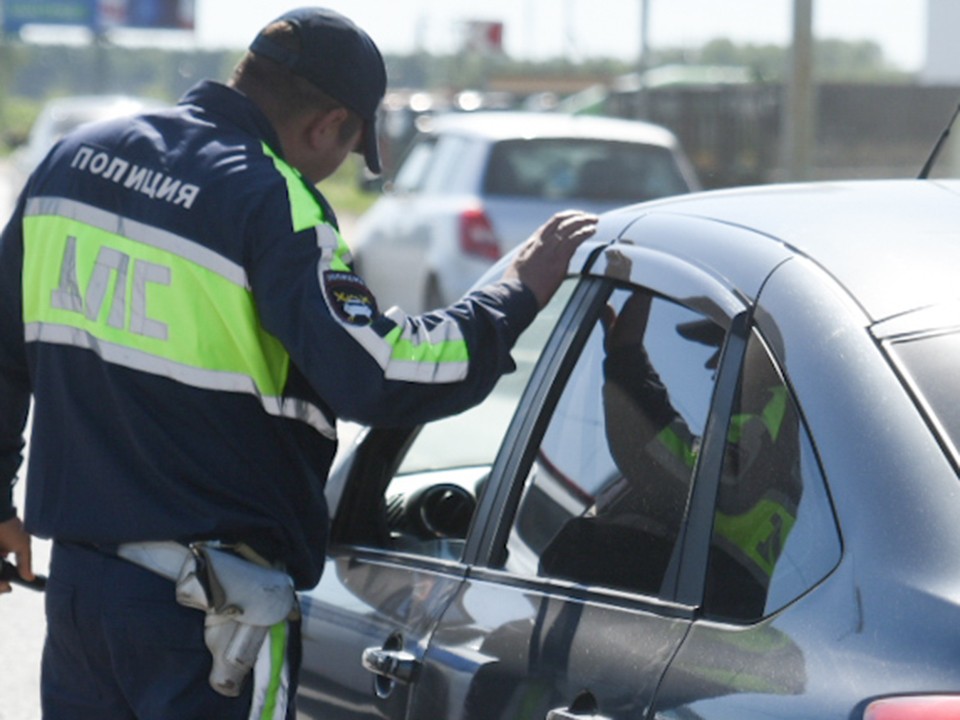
(758, 534)
(679, 447)
(146, 235)
(271, 676)
(404, 350)
(772, 416)
(307, 212)
(149, 300)
(775, 410)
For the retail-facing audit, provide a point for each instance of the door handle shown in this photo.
(394, 664)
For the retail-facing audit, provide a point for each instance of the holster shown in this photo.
(242, 601)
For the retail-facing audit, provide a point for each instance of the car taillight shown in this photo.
(477, 236)
(919, 707)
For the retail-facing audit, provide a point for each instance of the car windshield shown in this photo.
(931, 362)
(559, 168)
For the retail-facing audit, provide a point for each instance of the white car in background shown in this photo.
(64, 114)
(474, 185)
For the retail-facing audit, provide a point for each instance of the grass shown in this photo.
(344, 192)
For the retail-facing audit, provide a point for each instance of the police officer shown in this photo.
(176, 299)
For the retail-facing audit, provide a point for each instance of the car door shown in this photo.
(403, 502)
(567, 609)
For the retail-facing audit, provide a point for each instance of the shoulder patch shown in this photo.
(349, 297)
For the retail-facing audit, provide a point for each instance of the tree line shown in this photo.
(30, 74)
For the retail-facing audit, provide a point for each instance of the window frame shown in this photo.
(686, 285)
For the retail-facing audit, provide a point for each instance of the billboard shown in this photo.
(484, 37)
(17, 13)
(148, 14)
(99, 15)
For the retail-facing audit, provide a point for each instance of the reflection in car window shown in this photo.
(604, 498)
(560, 168)
(426, 511)
(774, 533)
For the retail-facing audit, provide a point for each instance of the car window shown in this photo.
(430, 498)
(605, 495)
(774, 533)
(929, 362)
(559, 168)
(413, 170)
(446, 165)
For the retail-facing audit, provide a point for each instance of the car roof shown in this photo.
(110, 104)
(495, 126)
(893, 244)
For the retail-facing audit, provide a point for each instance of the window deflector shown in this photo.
(666, 275)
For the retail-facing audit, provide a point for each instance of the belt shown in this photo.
(242, 600)
(165, 558)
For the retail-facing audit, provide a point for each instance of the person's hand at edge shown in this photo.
(543, 259)
(14, 539)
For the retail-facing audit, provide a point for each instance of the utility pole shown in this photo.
(799, 116)
(643, 61)
(640, 110)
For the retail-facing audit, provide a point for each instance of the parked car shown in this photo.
(474, 185)
(722, 483)
(61, 115)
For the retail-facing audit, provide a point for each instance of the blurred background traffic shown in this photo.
(768, 90)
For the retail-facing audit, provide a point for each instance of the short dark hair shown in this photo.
(281, 92)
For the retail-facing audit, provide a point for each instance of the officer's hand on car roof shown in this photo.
(541, 264)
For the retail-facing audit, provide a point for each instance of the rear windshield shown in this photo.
(931, 363)
(559, 168)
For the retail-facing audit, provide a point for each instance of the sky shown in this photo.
(583, 29)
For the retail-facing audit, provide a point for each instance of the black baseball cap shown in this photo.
(341, 60)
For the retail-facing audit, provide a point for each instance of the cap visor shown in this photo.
(371, 147)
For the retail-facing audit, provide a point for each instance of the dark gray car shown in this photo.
(723, 483)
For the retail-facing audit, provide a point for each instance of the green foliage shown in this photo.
(42, 71)
(31, 74)
(344, 192)
(834, 60)
(18, 114)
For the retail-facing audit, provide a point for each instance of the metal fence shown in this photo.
(732, 133)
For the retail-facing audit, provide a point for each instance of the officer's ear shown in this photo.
(323, 127)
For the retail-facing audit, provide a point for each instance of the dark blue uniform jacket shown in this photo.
(138, 432)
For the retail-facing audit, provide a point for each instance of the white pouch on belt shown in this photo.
(242, 601)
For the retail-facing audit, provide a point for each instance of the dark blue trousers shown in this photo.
(119, 647)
